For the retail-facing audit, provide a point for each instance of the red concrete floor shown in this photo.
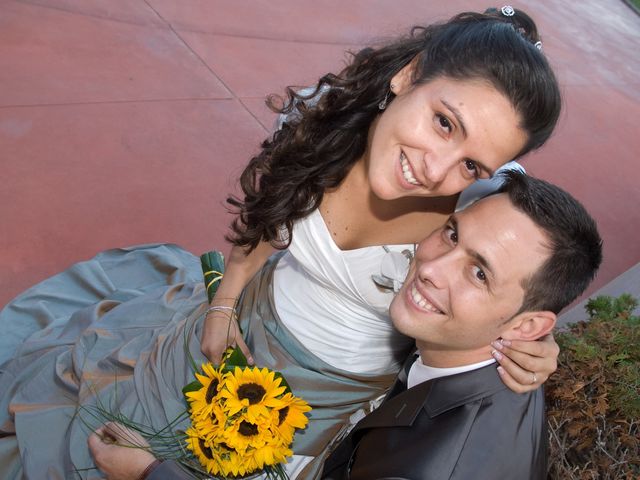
(127, 121)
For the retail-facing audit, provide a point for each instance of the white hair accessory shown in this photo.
(508, 11)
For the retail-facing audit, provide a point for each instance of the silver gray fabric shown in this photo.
(113, 331)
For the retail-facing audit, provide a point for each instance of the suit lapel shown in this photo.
(436, 396)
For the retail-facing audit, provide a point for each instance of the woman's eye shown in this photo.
(444, 123)
(479, 274)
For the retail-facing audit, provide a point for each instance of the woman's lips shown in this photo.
(407, 171)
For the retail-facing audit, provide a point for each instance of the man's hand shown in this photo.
(121, 453)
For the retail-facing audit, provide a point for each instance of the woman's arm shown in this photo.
(220, 326)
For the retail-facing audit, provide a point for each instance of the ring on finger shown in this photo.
(534, 380)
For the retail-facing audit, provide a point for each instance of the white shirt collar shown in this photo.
(420, 372)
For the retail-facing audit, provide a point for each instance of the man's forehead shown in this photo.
(508, 240)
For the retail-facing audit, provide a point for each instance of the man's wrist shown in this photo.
(147, 471)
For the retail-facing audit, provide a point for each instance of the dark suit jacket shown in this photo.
(468, 426)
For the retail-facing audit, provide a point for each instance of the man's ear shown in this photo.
(403, 80)
(530, 325)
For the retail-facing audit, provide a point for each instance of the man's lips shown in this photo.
(422, 301)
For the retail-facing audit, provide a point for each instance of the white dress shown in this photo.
(326, 297)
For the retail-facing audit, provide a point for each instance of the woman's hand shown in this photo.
(119, 452)
(220, 331)
(221, 328)
(524, 366)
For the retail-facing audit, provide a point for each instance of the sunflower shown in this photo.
(241, 434)
(218, 458)
(292, 414)
(211, 425)
(201, 401)
(252, 391)
(201, 448)
(268, 455)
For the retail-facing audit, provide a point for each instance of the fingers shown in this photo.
(545, 347)
(247, 353)
(124, 435)
(219, 333)
(539, 357)
(94, 441)
(519, 378)
(511, 383)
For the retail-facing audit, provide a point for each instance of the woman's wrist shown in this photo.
(228, 311)
(224, 301)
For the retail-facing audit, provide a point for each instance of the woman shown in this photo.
(374, 166)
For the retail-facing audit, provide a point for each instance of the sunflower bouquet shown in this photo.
(243, 418)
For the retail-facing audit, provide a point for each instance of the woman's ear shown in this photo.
(530, 325)
(403, 80)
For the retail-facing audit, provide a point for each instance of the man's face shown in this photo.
(466, 281)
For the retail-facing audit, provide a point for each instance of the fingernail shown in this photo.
(501, 371)
(497, 355)
(506, 343)
(496, 344)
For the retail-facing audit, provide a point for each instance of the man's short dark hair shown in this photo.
(574, 242)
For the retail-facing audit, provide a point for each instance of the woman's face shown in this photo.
(437, 138)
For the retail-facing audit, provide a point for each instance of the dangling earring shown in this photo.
(383, 104)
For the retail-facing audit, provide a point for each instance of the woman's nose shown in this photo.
(438, 165)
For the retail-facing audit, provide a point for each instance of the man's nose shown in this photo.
(437, 270)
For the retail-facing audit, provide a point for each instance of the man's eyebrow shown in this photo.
(482, 261)
(456, 113)
(477, 256)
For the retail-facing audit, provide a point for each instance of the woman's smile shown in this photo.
(407, 171)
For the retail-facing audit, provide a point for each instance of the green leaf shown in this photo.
(235, 358)
(283, 382)
(191, 387)
(212, 269)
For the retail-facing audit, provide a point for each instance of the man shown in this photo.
(500, 270)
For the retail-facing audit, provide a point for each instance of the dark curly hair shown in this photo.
(320, 141)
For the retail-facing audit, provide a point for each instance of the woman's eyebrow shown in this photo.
(456, 113)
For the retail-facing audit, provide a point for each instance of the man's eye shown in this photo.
(479, 274)
(472, 167)
(444, 123)
(451, 234)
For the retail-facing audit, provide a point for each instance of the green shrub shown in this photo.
(593, 400)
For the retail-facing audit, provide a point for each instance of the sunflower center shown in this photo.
(247, 429)
(206, 451)
(252, 392)
(282, 414)
(212, 390)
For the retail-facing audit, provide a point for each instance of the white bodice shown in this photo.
(326, 297)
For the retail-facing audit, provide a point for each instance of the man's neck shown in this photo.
(452, 358)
